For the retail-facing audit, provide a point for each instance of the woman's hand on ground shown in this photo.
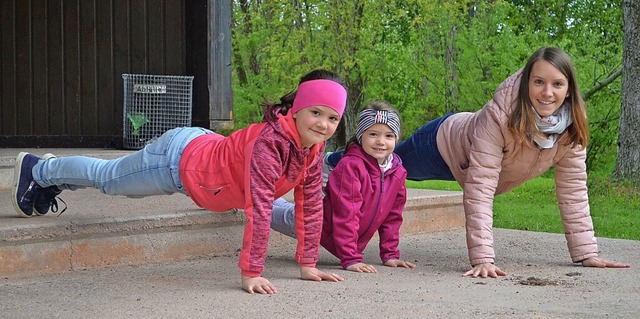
(485, 270)
(603, 263)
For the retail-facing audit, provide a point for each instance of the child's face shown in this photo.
(379, 141)
(548, 88)
(316, 124)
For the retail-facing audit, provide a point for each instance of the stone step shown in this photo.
(98, 230)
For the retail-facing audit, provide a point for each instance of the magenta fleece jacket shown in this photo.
(359, 201)
(248, 170)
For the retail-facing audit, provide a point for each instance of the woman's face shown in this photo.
(548, 88)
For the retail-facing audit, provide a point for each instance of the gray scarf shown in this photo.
(553, 125)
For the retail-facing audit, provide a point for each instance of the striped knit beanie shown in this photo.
(368, 117)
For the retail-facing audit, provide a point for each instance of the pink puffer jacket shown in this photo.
(486, 161)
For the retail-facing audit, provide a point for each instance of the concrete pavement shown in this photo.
(541, 283)
(163, 257)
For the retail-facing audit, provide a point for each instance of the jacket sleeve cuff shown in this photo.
(478, 261)
(581, 258)
(250, 273)
(306, 261)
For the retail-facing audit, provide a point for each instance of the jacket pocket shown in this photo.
(215, 190)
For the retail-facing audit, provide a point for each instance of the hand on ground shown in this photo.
(485, 270)
(362, 267)
(312, 273)
(258, 284)
(399, 263)
(603, 263)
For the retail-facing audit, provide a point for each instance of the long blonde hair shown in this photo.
(523, 121)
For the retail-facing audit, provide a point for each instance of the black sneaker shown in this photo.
(25, 189)
(46, 198)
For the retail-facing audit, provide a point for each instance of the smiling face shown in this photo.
(548, 88)
(379, 141)
(316, 124)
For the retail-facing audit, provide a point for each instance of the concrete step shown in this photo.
(98, 230)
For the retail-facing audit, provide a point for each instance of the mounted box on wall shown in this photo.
(154, 104)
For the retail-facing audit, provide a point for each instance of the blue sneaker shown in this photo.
(46, 198)
(25, 189)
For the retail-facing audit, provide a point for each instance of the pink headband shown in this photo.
(320, 93)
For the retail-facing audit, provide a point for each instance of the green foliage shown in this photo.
(533, 206)
(426, 57)
(429, 57)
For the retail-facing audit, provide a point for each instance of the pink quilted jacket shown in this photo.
(485, 160)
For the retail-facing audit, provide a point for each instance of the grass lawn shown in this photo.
(615, 209)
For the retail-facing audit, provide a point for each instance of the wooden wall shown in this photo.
(61, 65)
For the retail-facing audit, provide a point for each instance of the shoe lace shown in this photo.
(54, 205)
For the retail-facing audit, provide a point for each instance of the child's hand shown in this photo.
(258, 284)
(312, 273)
(399, 263)
(362, 267)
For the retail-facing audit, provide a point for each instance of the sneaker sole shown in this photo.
(44, 157)
(16, 179)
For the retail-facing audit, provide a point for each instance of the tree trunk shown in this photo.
(628, 162)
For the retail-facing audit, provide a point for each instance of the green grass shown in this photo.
(615, 208)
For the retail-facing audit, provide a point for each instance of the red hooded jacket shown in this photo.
(248, 170)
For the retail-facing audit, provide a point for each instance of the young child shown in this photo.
(246, 170)
(365, 193)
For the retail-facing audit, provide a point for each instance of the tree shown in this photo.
(628, 161)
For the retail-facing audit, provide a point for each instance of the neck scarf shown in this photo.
(552, 125)
(387, 163)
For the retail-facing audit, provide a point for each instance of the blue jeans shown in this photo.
(283, 218)
(149, 171)
(419, 154)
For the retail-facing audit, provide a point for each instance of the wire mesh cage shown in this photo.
(154, 104)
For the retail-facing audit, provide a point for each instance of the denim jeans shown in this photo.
(283, 217)
(419, 154)
(149, 171)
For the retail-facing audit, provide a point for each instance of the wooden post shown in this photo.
(219, 64)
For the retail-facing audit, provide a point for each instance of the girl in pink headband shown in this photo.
(247, 170)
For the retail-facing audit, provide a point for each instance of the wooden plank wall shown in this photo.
(61, 65)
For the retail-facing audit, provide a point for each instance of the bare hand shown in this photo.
(362, 267)
(312, 273)
(485, 270)
(399, 263)
(603, 263)
(258, 284)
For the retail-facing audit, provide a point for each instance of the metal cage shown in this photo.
(154, 104)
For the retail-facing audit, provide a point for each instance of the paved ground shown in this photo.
(541, 283)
